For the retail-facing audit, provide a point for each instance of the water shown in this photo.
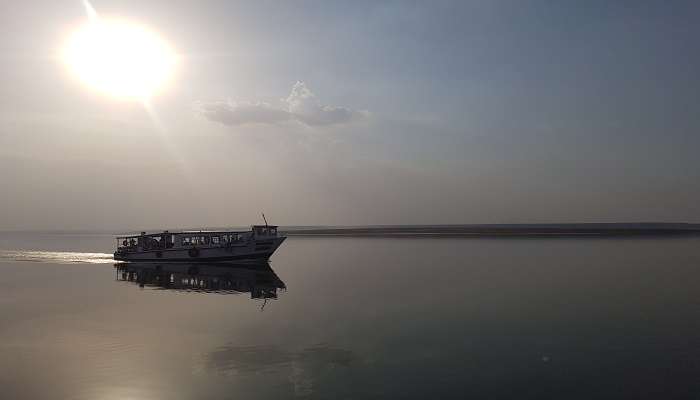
(355, 318)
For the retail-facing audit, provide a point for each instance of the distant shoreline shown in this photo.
(507, 230)
(572, 230)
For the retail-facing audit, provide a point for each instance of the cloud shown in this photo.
(230, 113)
(301, 105)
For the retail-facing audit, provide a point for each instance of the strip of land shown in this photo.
(505, 230)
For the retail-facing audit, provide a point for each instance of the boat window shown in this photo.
(193, 240)
(127, 242)
(215, 240)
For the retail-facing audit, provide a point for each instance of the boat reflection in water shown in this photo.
(258, 279)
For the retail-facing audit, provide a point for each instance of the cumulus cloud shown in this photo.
(230, 113)
(301, 105)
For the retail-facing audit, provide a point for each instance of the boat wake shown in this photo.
(57, 257)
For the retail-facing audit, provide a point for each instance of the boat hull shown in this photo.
(253, 250)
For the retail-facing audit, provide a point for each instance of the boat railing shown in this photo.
(190, 239)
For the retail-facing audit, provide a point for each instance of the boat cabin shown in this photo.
(191, 239)
(265, 230)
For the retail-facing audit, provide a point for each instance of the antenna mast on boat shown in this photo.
(264, 219)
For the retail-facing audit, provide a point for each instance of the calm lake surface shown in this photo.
(355, 318)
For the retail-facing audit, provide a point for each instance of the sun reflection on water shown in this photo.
(60, 257)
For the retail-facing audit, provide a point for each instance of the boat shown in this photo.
(258, 243)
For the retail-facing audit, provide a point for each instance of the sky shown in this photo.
(354, 113)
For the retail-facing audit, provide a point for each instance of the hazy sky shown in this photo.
(359, 113)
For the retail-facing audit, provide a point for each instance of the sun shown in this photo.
(119, 58)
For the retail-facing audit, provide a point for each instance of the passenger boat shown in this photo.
(258, 243)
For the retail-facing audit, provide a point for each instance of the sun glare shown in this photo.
(119, 58)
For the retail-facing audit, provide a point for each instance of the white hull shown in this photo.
(255, 249)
